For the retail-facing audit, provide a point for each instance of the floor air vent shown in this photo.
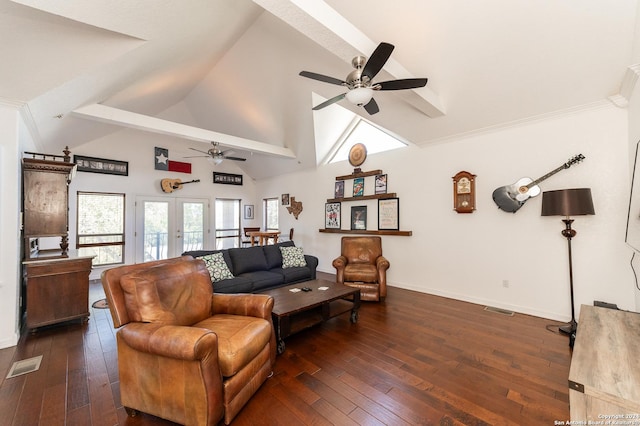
(498, 310)
(25, 366)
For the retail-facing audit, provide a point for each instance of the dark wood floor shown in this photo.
(414, 360)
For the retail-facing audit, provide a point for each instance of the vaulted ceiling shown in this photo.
(223, 70)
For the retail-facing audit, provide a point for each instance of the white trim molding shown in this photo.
(626, 87)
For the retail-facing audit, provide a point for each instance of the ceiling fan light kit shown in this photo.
(360, 96)
(360, 81)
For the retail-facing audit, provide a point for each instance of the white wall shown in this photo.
(634, 143)
(15, 139)
(137, 148)
(461, 256)
(468, 256)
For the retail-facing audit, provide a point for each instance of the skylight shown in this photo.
(374, 138)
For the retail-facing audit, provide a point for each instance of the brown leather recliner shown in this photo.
(186, 354)
(362, 265)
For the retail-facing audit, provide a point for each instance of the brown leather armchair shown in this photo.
(362, 265)
(186, 354)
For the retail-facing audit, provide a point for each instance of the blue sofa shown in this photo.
(259, 268)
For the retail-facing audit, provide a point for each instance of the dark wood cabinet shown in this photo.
(55, 282)
(56, 288)
(45, 201)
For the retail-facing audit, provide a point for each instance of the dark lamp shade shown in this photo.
(567, 202)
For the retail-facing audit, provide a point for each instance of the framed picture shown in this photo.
(101, 165)
(248, 211)
(358, 187)
(388, 214)
(332, 215)
(285, 199)
(359, 217)
(227, 178)
(381, 184)
(339, 191)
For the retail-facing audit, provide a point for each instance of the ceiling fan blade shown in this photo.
(323, 78)
(372, 107)
(196, 156)
(204, 152)
(406, 83)
(235, 158)
(377, 60)
(329, 102)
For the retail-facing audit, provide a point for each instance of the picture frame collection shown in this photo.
(388, 209)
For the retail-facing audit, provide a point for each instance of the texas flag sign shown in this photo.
(163, 162)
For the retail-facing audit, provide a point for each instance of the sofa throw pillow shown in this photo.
(217, 267)
(292, 257)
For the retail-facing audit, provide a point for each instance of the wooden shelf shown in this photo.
(359, 174)
(372, 232)
(363, 197)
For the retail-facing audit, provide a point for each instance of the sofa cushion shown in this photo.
(233, 285)
(248, 259)
(294, 274)
(200, 253)
(263, 279)
(292, 256)
(274, 255)
(177, 293)
(217, 267)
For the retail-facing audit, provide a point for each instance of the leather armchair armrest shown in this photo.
(252, 305)
(172, 341)
(382, 263)
(339, 263)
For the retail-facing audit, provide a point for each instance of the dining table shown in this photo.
(263, 237)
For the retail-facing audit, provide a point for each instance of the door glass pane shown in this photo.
(227, 223)
(193, 226)
(156, 227)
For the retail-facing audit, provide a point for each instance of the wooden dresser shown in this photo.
(604, 379)
(56, 288)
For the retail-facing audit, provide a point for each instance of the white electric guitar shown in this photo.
(511, 197)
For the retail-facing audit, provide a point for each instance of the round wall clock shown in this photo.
(357, 154)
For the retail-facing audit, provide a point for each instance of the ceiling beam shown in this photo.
(324, 25)
(107, 114)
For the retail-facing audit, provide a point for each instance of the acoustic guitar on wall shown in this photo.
(511, 197)
(170, 185)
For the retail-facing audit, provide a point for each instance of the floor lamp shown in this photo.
(568, 202)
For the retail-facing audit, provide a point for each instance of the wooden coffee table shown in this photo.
(295, 311)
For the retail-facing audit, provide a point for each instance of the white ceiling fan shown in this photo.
(216, 155)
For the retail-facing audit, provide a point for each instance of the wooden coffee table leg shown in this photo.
(282, 329)
(356, 306)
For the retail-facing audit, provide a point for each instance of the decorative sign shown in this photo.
(162, 162)
(359, 218)
(227, 178)
(101, 165)
(388, 217)
(332, 215)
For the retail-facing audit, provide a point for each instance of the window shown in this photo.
(227, 223)
(100, 227)
(374, 138)
(270, 208)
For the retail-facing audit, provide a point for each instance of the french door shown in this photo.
(167, 227)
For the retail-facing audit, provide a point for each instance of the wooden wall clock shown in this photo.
(464, 192)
